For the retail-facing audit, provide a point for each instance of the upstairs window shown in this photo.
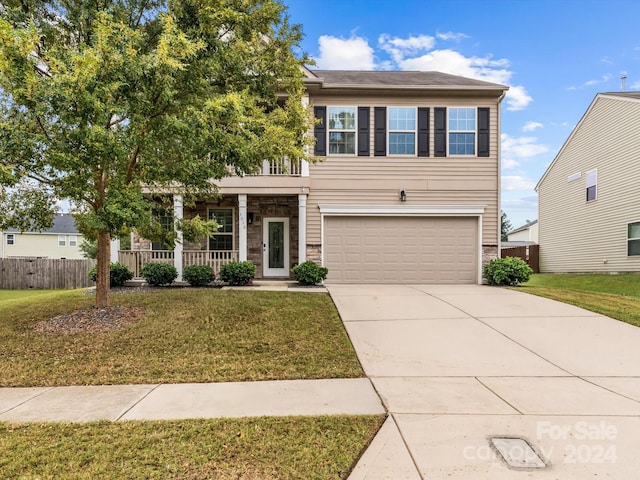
(11, 239)
(342, 130)
(462, 131)
(223, 240)
(73, 241)
(633, 239)
(62, 241)
(592, 184)
(402, 131)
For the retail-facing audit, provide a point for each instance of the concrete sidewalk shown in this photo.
(181, 401)
(457, 365)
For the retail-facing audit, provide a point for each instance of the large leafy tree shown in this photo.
(104, 101)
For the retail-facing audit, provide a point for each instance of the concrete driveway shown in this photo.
(458, 365)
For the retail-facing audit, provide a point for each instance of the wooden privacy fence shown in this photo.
(529, 253)
(44, 273)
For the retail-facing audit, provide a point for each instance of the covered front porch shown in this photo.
(266, 229)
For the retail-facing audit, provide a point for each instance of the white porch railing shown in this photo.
(135, 260)
(288, 167)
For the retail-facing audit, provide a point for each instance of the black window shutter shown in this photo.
(440, 131)
(423, 132)
(320, 131)
(363, 131)
(380, 131)
(483, 132)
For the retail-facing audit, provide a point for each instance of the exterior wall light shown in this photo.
(403, 196)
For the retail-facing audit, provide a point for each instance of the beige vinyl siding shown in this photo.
(580, 236)
(40, 245)
(456, 180)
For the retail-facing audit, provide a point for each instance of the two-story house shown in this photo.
(407, 190)
(589, 197)
(62, 240)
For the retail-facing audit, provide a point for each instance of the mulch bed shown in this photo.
(90, 320)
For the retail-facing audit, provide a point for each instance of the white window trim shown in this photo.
(414, 131)
(343, 130)
(587, 185)
(62, 240)
(406, 211)
(233, 228)
(630, 238)
(475, 134)
(75, 240)
(13, 239)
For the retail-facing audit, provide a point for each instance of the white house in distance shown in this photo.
(62, 240)
(589, 197)
(527, 234)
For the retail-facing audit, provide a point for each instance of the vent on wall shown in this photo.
(573, 177)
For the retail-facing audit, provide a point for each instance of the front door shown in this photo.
(275, 258)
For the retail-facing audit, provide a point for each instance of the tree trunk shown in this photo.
(103, 260)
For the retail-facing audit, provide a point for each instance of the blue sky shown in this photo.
(555, 55)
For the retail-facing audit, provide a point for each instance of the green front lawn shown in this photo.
(322, 448)
(186, 335)
(616, 296)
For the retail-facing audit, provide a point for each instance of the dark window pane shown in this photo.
(634, 247)
(221, 242)
(342, 142)
(634, 230)
(276, 245)
(401, 143)
(462, 144)
(591, 193)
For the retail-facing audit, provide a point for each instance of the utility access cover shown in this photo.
(517, 452)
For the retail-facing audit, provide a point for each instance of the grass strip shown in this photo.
(241, 449)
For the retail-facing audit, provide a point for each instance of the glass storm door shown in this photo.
(276, 247)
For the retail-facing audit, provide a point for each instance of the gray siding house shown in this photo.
(407, 189)
(589, 197)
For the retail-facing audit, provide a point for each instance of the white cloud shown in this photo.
(399, 48)
(352, 53)
(531, 126)
(521, 147)
(516, 182)
(517, 98)
(509, 163)
(456, 36)
(603, 79)
(415, 53)
(453, 62)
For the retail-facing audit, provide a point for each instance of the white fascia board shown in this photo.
(402, 210)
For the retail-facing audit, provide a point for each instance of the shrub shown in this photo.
(309, 273)
(159, 273)
(507, 271)
(198, 275)
(118, 274)
(237, 273)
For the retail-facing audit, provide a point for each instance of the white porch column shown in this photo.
(304, 168)
(178, 214)
(302, 228)
(115, 246)
(242, 222)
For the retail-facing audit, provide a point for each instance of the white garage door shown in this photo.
(401, 249)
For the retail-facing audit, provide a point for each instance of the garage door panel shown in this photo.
(401, 249)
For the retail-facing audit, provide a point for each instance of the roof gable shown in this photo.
(633, 97)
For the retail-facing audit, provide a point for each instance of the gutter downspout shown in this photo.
(500, 172)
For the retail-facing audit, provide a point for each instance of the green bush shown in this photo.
(309, 273)
(198, 275)
(159, 273)
(118, 274)
(507, 271)
(237, 273)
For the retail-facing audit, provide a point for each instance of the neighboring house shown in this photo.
(526, 233)
(589, 197)
(62, 240)
(407, 190)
